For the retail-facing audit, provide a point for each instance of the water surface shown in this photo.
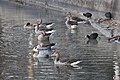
(98, 57)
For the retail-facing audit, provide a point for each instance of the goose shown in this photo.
(42, 51)
(108, 15)
(37, 31)
(75, 18)
(92, 41)
(71, 62)
(92, 36)
(115, 39)
(87, 14)
(71, 24)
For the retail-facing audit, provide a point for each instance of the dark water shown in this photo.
(99, 58)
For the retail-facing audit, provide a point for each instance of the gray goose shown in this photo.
(71, 62)
(75, 18)
(71, 24)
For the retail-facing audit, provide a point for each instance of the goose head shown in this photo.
(28, 24)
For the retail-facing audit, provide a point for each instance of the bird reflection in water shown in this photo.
(31, 68)
(92, 41)
(71, 33)
(92, 38)
(116, 68)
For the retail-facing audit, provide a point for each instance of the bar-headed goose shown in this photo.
(75, 18)
(71, 24)
(88, 15)
(70, 62)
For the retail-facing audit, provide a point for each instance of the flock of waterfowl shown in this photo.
(44, 31)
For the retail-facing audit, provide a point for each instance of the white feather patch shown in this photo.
(73, 26)
(50, 31)
(75, 63)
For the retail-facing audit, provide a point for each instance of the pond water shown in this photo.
(99, 58)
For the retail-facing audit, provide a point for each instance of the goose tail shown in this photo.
(52, 31)
(50, 25)
(75, 63)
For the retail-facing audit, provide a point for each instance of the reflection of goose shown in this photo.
(71, 31)
(92, 36)
(31, 39)
(41, 53)
(35, 49)
(115, 39)
(71, 62)
(43, 59)
(71, 24)
(92, 41)
(116, 68)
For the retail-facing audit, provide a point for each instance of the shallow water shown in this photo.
(99, 58)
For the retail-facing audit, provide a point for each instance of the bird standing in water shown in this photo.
(75, 18)
(71, 24)
(108, 15)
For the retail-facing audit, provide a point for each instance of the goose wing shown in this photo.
(78, 19)
(72, 23)
(47, 23)
(74, 61)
